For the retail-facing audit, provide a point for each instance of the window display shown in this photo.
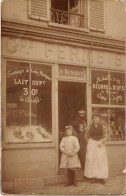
(28, 103)
(117, 124)
(114, 120)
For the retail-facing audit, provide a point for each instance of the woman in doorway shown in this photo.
(69, 146)
(96, 166)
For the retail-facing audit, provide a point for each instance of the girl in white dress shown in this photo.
(69, 147)
(96, 166)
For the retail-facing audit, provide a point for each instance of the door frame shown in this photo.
(66, 80)
(57, 78)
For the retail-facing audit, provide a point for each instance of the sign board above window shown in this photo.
(72, 72)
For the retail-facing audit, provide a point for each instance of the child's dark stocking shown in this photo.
(69, 178)
(73, 178)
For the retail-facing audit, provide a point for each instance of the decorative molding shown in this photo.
(61, 36)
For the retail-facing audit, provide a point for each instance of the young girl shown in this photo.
(69, 147)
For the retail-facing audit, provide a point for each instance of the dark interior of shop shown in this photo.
(71, 99)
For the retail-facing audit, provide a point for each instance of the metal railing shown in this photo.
(66, 18)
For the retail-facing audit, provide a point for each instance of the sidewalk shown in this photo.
(114, 185)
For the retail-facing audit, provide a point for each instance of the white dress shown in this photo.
(69, 144)
(96, 165)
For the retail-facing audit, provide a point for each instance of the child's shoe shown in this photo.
(93, 180)
(75, 183)
(68, 184)
(102, 181)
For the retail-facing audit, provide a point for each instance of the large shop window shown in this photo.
(108, 96)
(28, 103)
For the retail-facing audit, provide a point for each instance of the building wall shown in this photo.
(31, 163)
(36, 162)
(115, 22)
(22, 163)
(17, 10)
(116, 154)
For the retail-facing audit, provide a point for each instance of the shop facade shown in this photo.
(45, 81)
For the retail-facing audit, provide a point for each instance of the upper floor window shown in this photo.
(77, 13)
(67, 12)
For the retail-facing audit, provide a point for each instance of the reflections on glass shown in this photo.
(114, 120)
(17, 102)
(100, 87)
(41, 103)
(117, 88)
(117, 124)
(28, 103)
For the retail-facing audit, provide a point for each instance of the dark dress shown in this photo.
(96, 133)
(82, 142)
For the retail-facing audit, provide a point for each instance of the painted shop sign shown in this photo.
(72, 71)
(20, 77)
(108, 87)
(25, 48)
(117, 88)
(28, 102)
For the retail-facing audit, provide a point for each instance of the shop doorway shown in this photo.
(71, 99)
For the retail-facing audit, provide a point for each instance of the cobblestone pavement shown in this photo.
(115, 185)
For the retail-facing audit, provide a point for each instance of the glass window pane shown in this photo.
(100, 87)
(117, 88)
(17, 102)
(104, 115)
(117, 124)
(114, 120)
(73, 5)
(41, 106)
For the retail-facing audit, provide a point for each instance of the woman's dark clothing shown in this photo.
(96, 133)
(80, 130)
(83, 144)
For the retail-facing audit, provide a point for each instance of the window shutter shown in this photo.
(38, 9)
(97, 14)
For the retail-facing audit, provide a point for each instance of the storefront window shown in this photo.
(108, 87)
(117, 88)
(114, 120)
(100, 87)
(28, 103)
(117, 124)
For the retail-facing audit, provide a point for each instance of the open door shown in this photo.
(71, 99)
